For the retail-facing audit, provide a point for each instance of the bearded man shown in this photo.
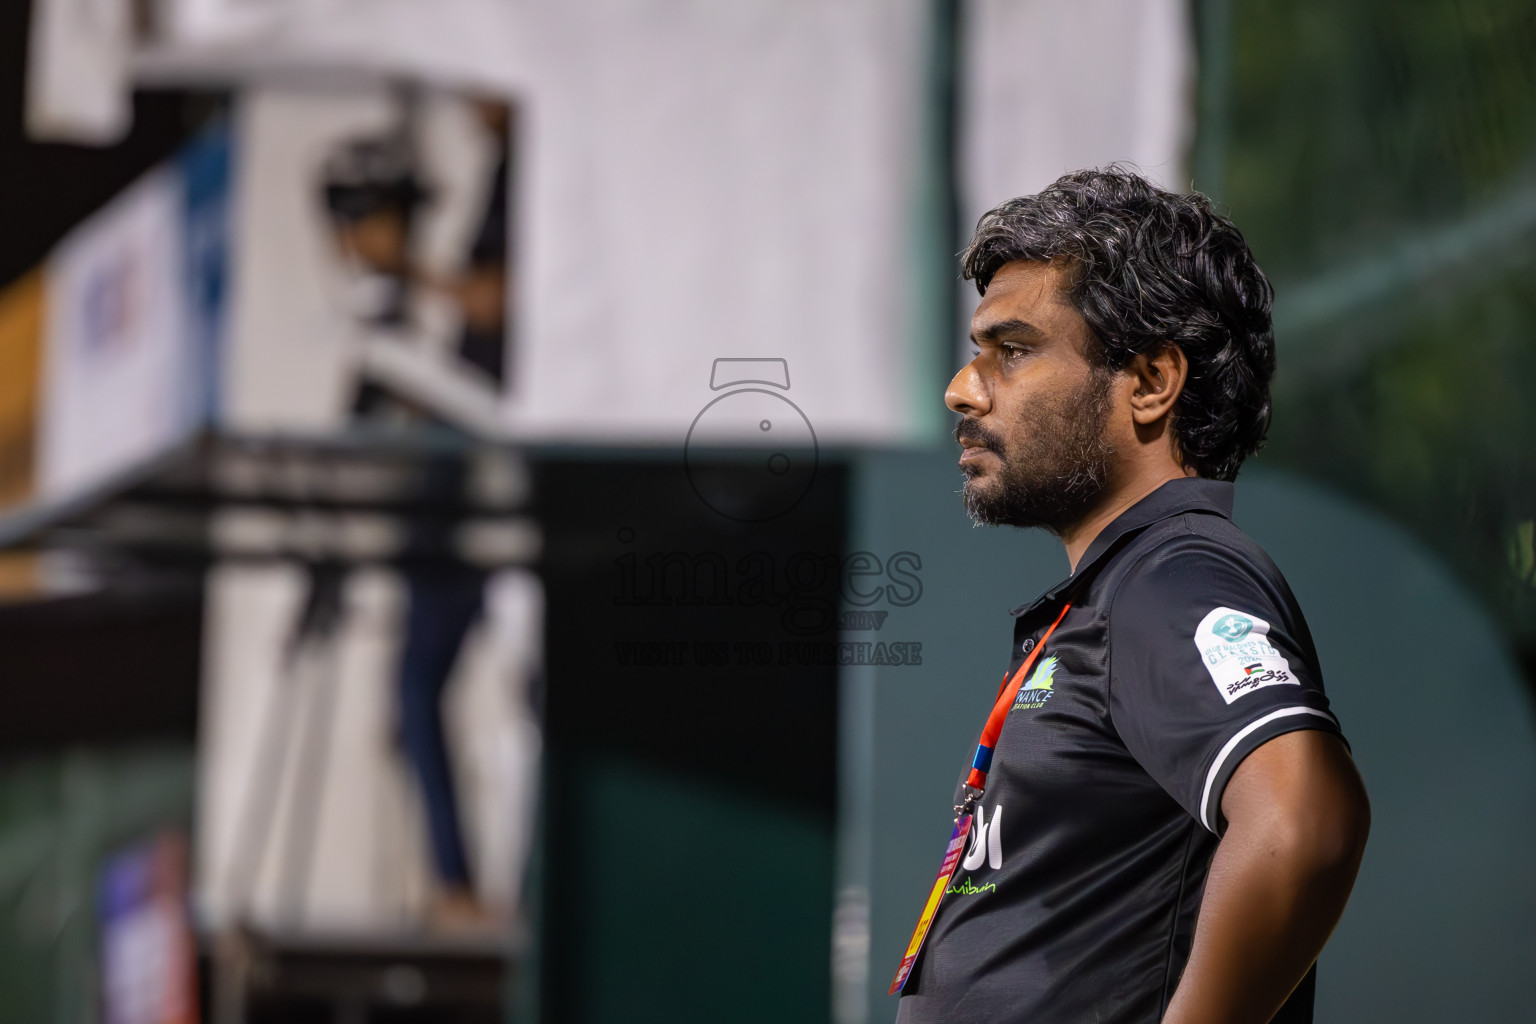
(1161, 821)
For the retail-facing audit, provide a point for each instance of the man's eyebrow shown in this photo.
(1007, 329)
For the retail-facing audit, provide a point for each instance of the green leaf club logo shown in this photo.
(1041, 680)
(1232, 628)
(1040, 686)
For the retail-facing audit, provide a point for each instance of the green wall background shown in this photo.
(61, 816)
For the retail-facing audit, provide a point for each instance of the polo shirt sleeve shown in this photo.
(1209, 659)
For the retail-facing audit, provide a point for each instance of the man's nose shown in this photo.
(966, 394)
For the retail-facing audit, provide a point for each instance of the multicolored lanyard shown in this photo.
(975, 785)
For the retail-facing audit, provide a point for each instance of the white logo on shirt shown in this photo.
(1235, 650)
(986, 840)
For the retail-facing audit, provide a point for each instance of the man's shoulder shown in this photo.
(1195, 588)
(1188, 557)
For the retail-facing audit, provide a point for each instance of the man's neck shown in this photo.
(1118, 498)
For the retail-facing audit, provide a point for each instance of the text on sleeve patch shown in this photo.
(1235, 649)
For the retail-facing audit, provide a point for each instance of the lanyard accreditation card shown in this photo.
(975, 785)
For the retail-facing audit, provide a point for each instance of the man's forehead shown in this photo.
(1031, 290)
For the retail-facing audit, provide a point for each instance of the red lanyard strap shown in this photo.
(974, 783)
(982, 762)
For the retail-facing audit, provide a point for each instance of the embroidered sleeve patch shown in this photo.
(1235, 649)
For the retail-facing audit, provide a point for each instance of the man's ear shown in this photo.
(1159, 380)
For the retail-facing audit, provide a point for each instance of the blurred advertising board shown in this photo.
(109, 350)
(148, 953)
(132, 300)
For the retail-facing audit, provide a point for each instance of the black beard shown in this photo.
(1058, 478)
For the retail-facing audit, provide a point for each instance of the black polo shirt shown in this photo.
(1183, 651)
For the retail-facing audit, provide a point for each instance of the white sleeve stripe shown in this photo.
(1231, 745)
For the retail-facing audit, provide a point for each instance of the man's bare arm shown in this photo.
(1297, 819)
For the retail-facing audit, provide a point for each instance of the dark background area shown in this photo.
(689, 809)
(108, 667)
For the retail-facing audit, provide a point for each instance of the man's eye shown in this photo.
(1013, 351)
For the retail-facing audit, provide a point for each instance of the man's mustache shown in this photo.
(969, 432)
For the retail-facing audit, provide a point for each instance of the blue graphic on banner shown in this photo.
(205, 169)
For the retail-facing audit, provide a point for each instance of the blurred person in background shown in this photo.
(373, 193)
(1165, 821)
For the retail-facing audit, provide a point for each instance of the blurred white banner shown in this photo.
(720, 181)
(119, 357)
(133, 318)
(1054, 87)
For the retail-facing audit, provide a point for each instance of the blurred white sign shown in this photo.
(120, 355)
(730, 181)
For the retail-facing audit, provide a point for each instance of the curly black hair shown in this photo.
(1150, 268)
